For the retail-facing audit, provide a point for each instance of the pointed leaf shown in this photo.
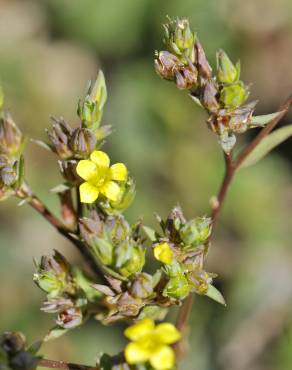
(266, 145)
(151, 234)
(214, 294)
(61, 188)
(257, 121)
(55, 333)
(42, 144)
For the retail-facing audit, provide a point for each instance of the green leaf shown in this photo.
(257, 121)
(214, 294)
(151, 234)
(55, 333)
(266, 145)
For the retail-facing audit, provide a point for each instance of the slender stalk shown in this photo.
(25, 193)
(51, 364)
(231, 166)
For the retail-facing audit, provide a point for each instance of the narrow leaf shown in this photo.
(42, 144)
(214, 294)
(151, 234)
(263, 120)
(61, 188)
(55, 333)
(266, 145)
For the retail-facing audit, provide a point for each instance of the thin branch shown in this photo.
(51, 364)
(25, 193)
(231, 166)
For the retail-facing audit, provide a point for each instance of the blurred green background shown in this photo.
(49, 49)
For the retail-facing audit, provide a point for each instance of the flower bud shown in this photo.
(68, 171)
(173, 224)
(57, 305)
(209, 98)
(226, 71)
(130, 258)
(93, 232)
(200, 281)
(177, 287)
(11, 138)
(186, 77)
(82, 142)
(204, 69)
(179, 38)
(196, 232)
(70, 318)
(117, 228)
(142, 286)
(90, 111)
(8, 176)
(165, 63)
(232, 96)
(54, 276)
(60, 135)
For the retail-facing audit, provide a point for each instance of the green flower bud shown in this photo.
(177, 287)
(54, 275)
(90, 111)
(142, 286)
(200, 281)
(60, 135)
(11, 138)
(226, 71)
(93, 232)
(179, 38)
(196, 232)
(232, 96)
(117, 228)
(82, 142)
(129, 259)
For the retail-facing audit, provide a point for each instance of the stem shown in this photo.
(63, 365)
(231, 166)
(25, 193)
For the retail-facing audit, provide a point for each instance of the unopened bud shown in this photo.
(165, 63)
(209, 99)
(205, 71)
(60, 135)
(82, 142)
(196, 232)
(68, 171)
(232, 96)
(11, 139)
(117, 228)
(133, 261)
(142, 286)
(226, 71)
(186, 77)
(177, 287)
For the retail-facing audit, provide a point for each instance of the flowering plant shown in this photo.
(116, 286)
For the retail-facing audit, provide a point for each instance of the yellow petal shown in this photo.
(136, 353)
(167, 333)
(140, 329)
(163, 253)
(100, 158)
(88, 193)
(86, 169)
(119, 172)
(111, 190)
(163, 358)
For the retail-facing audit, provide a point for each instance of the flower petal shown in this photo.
(101, 159)
(163, 253)
(119, 172)
(140, 329)
(136, 353)
(88, 193)
(86, 169)
(111, 190)
(167, 333)
(163, 358)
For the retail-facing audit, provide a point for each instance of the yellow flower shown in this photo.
(163, 253)
(100, 177)
(151, 343)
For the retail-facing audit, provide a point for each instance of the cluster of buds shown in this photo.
(222, 94)
(182, 249)
(11, 160)
(15, 354)
(68, 291)
(114, 244)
